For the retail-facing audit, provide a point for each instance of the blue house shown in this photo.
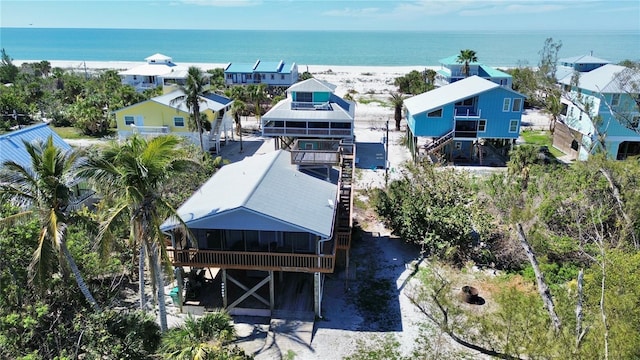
(12, 148)
(458, 119)
(451, 71)
(601, 113)
(311, 110)
(271, 73)
(12, 143)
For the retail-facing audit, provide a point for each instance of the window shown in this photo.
(458, 145)
(178, 121)
(465, 102)
(517, 103)
(128, 120)
(272, 76)
(435, 113)
(229, 76)
(304, 96)
(513, 126)
(264, 76)
(249, 76)
(615, 99)
(506, 104)
(482, 125)
(281, 77)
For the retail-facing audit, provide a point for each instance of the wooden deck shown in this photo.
(252, 260)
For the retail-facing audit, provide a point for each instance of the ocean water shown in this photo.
(371, 48)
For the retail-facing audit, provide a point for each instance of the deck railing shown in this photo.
(467, 113)
(150, 129)
(252, 260)
(291, 131)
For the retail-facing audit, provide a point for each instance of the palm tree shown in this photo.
(465, 57)
(258, 95)
(198, 338)
(131, 176)
(42, 190)
(553, 106)
(193, 89)
(397, 101)
(237, 109)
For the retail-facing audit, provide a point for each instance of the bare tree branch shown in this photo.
(543, 289)
(444, 325)
(616, 195)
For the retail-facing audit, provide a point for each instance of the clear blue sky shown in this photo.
(321, 14)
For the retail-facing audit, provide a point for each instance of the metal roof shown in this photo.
(492, 72)
(283, 111)
(453, 60)
(450, 93)
(213, 101)
(262, 192)
(12, 146)
(603, 79)
(158, 57)
(270, 66)
(158, 69)
(241, 67)
(312, 85)
(583, 59)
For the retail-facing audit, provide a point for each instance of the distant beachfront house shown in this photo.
(581, 63)
(311, 110)
(12, 148)
(159, 71)
(261, 72)
(451, 71)
(602, 108)
(165, 115)
(455, 120)
(253, 220)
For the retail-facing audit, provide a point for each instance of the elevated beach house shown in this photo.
(601, 111)
(310, 110)
(158, 71)
(12, 148)
(168, 114)
(450, 71)
(265, 234)
(455, 121)
(272, 73)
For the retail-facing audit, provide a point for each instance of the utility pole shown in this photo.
(386, 156)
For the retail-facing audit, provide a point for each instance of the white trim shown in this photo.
(484, 127)
(517, 125)
(507, 102)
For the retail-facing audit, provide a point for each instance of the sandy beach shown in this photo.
(336, 335)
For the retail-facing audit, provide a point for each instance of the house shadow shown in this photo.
(370, 156)
(366, 297)
(251, 145)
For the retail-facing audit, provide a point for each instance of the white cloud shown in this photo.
(224, 3)
(513, 9)
(349, 12)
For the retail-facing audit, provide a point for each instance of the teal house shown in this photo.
(451, 71)
(458, 120)
(601, 112)
(310, 111)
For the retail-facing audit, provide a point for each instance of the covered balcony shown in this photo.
(332, 129)
(149, 130)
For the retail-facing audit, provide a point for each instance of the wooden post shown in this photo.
(316, 294)
(180, 287)
(224, 288)
(271, 292)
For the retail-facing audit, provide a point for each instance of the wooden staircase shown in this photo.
(439, 143)
(344, 220)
